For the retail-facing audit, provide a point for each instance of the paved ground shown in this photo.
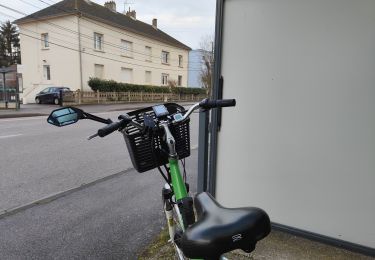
(113, 219)
(276, 246)
(39, 160)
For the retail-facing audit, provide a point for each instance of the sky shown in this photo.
(187, 21)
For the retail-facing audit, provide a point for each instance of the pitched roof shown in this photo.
(100, 13)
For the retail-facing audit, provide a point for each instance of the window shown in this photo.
(179, 83)
(127, 75)
(165, 57)
(180, 60)
(148, 52)
(98, 41)
(164, 79)
(99, 71)
(46, 72)
(46, 90)
(127, 48)
(45, 41)
(148, 77)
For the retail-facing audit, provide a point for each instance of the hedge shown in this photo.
(113, 86)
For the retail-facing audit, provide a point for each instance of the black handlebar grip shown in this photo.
(110, 128)
(207, 104)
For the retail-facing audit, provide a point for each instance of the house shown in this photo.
(67, 43)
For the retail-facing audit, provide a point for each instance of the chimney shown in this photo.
(131, 14)
(111, 5)
(155, 23)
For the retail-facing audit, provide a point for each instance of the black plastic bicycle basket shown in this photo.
(148, 150)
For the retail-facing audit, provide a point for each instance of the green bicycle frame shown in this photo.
(178, 183)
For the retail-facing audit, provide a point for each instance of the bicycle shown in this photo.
(158, 136)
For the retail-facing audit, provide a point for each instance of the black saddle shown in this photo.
(219, 230)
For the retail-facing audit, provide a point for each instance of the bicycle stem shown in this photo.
(170, 140)
(178, 184)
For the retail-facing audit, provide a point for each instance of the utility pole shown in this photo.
(79, 44)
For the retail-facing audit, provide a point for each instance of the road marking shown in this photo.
(8, 136)
(22, 119)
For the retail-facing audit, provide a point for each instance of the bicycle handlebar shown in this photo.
(207, 104)
(125, 119)
(110, 128)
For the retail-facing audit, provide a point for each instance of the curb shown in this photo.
(21, 115)
(50, 198)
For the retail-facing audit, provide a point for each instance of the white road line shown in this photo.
(22, 119)
(8, 136)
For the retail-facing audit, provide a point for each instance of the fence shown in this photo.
(90, 97)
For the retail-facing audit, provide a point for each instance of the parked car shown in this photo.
(50, 95)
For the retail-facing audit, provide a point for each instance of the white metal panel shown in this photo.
(301, 141)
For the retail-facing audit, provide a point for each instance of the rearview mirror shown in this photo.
(65, 116)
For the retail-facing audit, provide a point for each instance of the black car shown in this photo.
(50, 95)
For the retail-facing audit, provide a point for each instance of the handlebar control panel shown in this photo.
(178, 117)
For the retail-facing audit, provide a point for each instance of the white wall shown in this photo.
(301, 141)
(114, 61)
(64, 62)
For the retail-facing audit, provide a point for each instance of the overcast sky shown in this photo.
(187, 21)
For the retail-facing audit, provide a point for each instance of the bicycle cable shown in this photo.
(156, 160)
(183, 164)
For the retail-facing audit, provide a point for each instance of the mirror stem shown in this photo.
(96, 118)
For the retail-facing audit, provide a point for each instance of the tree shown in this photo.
(172, 83)
(207, 49)
(3, 61)
(9, 44)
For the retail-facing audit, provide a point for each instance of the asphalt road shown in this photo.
(38, 160)
(114, 219)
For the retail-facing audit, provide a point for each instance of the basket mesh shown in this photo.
(147, 151)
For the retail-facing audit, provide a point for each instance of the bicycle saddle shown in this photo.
(219, 230)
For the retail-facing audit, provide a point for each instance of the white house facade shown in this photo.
(73, 40)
